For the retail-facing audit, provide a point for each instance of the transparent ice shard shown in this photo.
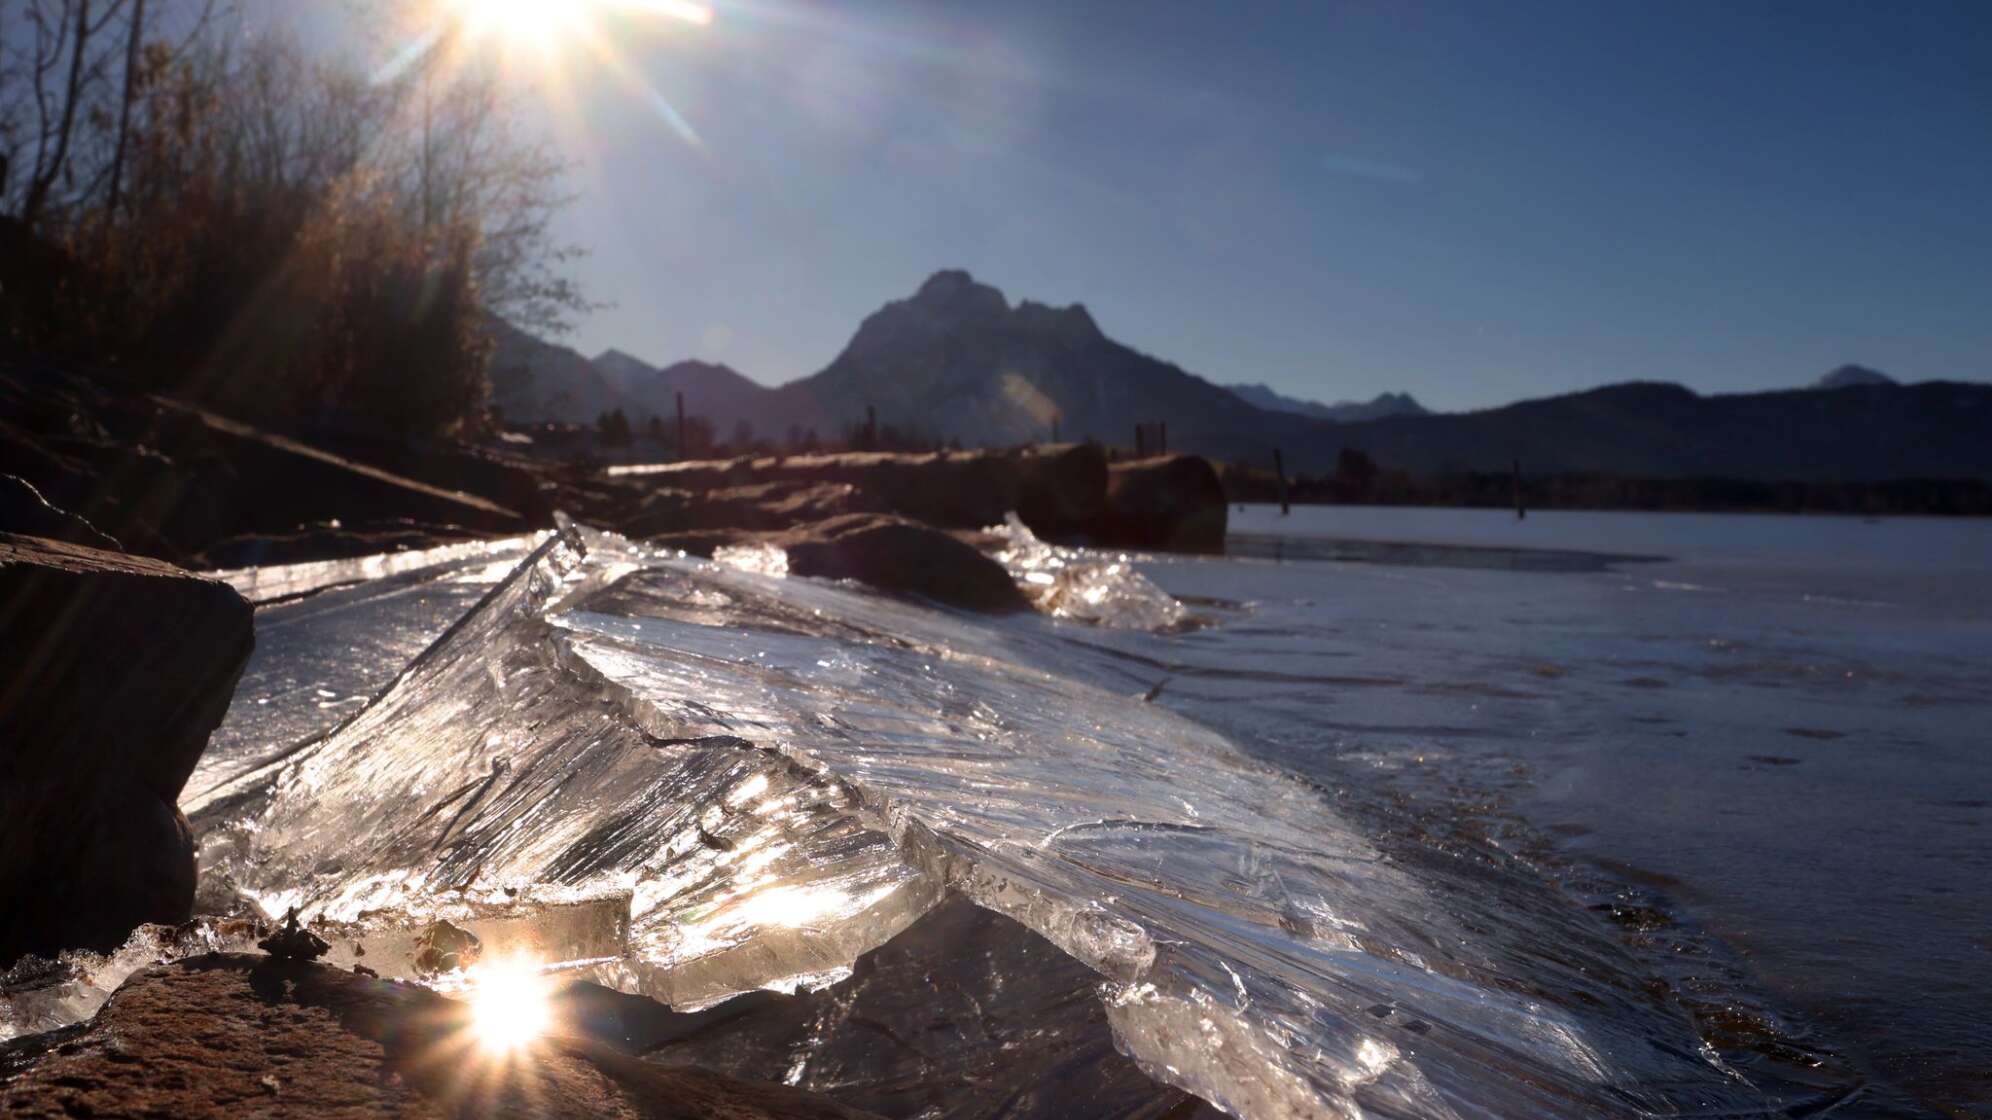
(283, 581)
(39, 994)
(1093, 587)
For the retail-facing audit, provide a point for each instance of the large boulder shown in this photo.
(118, 669)
(1170, 503)
(894, 554)
(232, 1035)
(1063, 489)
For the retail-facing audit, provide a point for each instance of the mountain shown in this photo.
(1859, 433)
(1850, 375)
(717, 392)
(532, 379)
(957, 360)
(1385, 404)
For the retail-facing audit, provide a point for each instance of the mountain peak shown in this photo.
(1850, 375)
(1069, 324)
(953, 289)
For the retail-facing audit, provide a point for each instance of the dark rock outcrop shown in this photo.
(118, 669)
(894, 554)
(1174, 503)
(231, 1035)
(169, 481)
(1057, 490)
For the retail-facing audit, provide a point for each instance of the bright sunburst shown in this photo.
(549, 24)
(511, 1004)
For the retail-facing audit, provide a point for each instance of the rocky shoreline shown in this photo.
(164, 479)
(128, 662)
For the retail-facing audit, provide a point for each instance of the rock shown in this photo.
(231, 1035)
(1063, 490)
(1172, 503)
(294, 942)
(443, 947)
(894, 554)
(760, 507)
(119, 667)
(1063, 493)
(1056, 490)
(169, 480)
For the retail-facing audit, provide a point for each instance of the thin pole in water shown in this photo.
(1279, 468)
(1521, 511)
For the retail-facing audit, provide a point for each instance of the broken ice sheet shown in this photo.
(779, 775)
(492, 770)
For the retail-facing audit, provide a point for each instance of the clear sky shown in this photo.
(1473, 202)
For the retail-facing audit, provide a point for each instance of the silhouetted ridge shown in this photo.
(1848, 376)
(956, 360)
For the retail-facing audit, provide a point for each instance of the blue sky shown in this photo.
(1472, 202)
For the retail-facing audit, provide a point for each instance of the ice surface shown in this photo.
(687, 780)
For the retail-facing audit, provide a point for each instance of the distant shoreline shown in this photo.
(1823, 514)
(1908, 497)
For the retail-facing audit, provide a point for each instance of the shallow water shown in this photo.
(1774, 735)
(1431, 837)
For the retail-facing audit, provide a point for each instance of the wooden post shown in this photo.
(1279, 468)
(1521, 511)
(684, 452)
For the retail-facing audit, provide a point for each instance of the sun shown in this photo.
(547, 24)
(542, 23)
(511, 1004)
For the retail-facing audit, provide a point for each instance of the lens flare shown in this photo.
(510, 1005)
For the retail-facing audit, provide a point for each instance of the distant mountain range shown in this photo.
(717, 392)
(1385, 404)
(956, 360)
